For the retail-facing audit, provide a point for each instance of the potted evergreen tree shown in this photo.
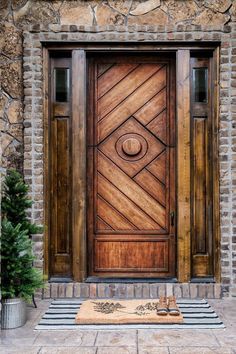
(19, 279)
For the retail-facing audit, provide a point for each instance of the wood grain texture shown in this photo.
(201, 176)
(133, 191)
(110, 78)
(152, 108)
(183, 151)
(200, 265)
(158, 126)
(131, 186)
(112, 147)
(152, 186)
(199, 186)
(131, 256)
(79, 165)
(158, 167)
(131, 104)
(60, 179)
(112, 216)
(102, 225)
(127, 207)
(124, 88)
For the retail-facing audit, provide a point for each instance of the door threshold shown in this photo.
(129, 280)
(210, 280)
(60, 280)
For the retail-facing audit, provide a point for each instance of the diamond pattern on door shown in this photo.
(114, 147)
(135, 143)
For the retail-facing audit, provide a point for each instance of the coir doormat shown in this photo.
(122, 312)
(197, 314)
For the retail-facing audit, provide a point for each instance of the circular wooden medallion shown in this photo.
(131, 146)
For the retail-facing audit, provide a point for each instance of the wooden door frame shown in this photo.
(183, 150)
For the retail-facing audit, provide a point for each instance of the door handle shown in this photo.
(172, 218)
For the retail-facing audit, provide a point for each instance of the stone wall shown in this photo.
(159, 20)
(16, 14)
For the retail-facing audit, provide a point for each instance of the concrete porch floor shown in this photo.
(26, 340)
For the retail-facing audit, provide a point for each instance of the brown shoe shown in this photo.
(162, 308)
(172, 306)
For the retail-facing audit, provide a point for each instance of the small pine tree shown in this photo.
(18, 276)
(15, 202)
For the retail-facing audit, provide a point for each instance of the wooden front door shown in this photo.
(131, 166)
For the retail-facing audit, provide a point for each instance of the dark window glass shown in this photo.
(61, 84)
(200, 84)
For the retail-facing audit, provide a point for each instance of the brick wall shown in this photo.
(151, 20)
(131, 290)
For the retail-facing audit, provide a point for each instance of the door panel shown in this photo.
(126, 255)
(60, 169)
(131, 167)
(202, 168)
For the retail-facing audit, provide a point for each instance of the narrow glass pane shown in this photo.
(61, 84)
(200, 84)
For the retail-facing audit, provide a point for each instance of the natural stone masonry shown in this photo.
(15, 14)
(129, 20)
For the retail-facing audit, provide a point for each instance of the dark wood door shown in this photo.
(131, 166)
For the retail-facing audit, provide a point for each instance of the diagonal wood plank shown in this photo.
(158, 167)
(152, 108)
(113, 76)
(123, 204)
(102, 68)
(131, 104)
(112, 217)
(158, 126)
(124, 88)
(151, 185)
(133, 191)
(102, 225)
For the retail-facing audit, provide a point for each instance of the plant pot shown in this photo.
(13, 313)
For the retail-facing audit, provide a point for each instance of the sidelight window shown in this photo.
(200, 78)
(62, 82)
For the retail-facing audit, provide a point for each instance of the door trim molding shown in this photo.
(79, 164)
(216, 167)
(183, 165)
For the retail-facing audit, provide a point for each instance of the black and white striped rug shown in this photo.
(197, 314)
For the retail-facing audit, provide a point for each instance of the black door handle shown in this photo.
(172, 218)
